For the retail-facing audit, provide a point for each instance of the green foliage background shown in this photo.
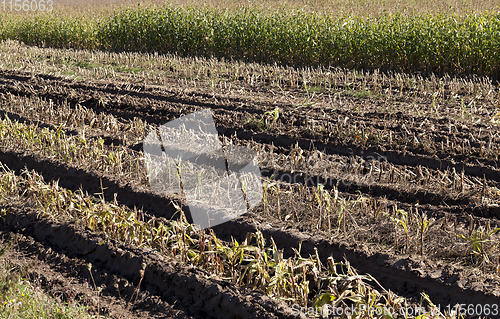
(438, 43)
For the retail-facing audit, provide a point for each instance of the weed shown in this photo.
(266, 122)
(274, 114)
(404, 222)
(477, 242)
(424, 224)
(21, 299)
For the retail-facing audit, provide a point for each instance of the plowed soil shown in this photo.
(377, 162)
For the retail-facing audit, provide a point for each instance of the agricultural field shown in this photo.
(380, 177)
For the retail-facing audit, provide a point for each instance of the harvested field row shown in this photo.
(304, 197)
(167, 288)
(475, 154)
(375, 176)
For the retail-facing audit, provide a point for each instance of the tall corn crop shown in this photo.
(50, 30)
(439, 43)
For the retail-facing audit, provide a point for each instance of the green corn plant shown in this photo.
(256, 272)
(274, 116)
(299, 280)
(328, 200)
(234, 255)
(424, 224)
(252, 122)
(347, 287)
(477, 242)
(398, 42)
(265, 194)
(318, 194)
(435, 311)
(324, 201)
(404, 222)
(344, 205)
(396, 221)
(278, 268)
(264, 122)
(277, 188)
(341, 217)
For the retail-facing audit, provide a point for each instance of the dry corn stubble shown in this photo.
(258, 266)
(341, 221)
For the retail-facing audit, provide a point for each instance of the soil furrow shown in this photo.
(69, 279)
(405, 275)
(173, 282)
(396, 157)
(154, 113)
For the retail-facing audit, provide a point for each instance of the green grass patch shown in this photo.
(315, 89)
(129, 69)
(19, 298)
(361, 94)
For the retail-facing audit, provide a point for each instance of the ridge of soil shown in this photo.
(158, 106)
(64, 245)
